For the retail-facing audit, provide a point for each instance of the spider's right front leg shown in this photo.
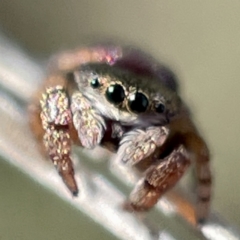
(56, 120)
(89, 124)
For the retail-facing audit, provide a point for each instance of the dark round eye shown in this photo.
(160, 108)
(138, 102)
(95, 83)
(115, 94)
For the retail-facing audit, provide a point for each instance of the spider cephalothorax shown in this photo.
(123, 100)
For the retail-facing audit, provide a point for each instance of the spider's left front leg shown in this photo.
(139, 146)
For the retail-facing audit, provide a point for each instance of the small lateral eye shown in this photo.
(138, 102)
(95, 83)
(115, 93)
(160, 108)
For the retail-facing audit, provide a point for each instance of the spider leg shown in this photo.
(138, 144)
(187, 134)
(35, 122)
(141, 148)
(89, 124)
(161, 176)
(34, 110)
(68, 61)
(56, 120)
(198, 148)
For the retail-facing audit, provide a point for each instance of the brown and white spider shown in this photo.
(125, 101)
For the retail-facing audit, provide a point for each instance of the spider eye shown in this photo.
(138, 102)
(160, 108)
(115, 94)
(95, 83)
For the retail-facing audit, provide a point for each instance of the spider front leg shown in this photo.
(138, 144)
(89, 124)
(162, 175)
(56, 120)
(158, 179)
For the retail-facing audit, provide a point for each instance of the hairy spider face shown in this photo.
(126, 97)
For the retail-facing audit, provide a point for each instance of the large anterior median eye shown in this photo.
(115, 93)
(138, 102)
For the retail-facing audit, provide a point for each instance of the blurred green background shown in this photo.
(199, 39)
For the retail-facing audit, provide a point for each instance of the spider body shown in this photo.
(123, 100)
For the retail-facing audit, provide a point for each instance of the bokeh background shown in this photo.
(199, 39)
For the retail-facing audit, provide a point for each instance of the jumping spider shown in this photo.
(125, 101)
